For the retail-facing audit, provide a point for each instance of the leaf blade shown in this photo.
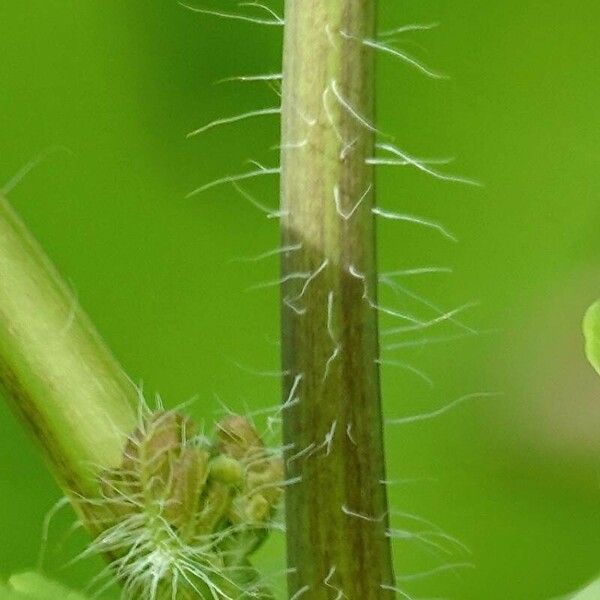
(33, 586)
(592, 592)
(591, 332)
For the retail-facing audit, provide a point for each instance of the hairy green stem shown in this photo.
(55, 370)
(336, 503)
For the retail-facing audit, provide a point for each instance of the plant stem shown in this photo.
(337, 509)
(59, 376)
(55, 369)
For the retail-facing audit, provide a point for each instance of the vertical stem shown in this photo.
(337, 510)
(54, 368)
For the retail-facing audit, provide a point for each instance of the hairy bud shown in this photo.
(188, 512)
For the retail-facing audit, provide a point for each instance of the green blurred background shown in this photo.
(108, 90)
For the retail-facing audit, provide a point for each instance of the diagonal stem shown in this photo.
(55, 370)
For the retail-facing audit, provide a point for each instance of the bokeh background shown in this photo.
(104, 94)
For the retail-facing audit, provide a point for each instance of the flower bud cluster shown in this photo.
(188, 511)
